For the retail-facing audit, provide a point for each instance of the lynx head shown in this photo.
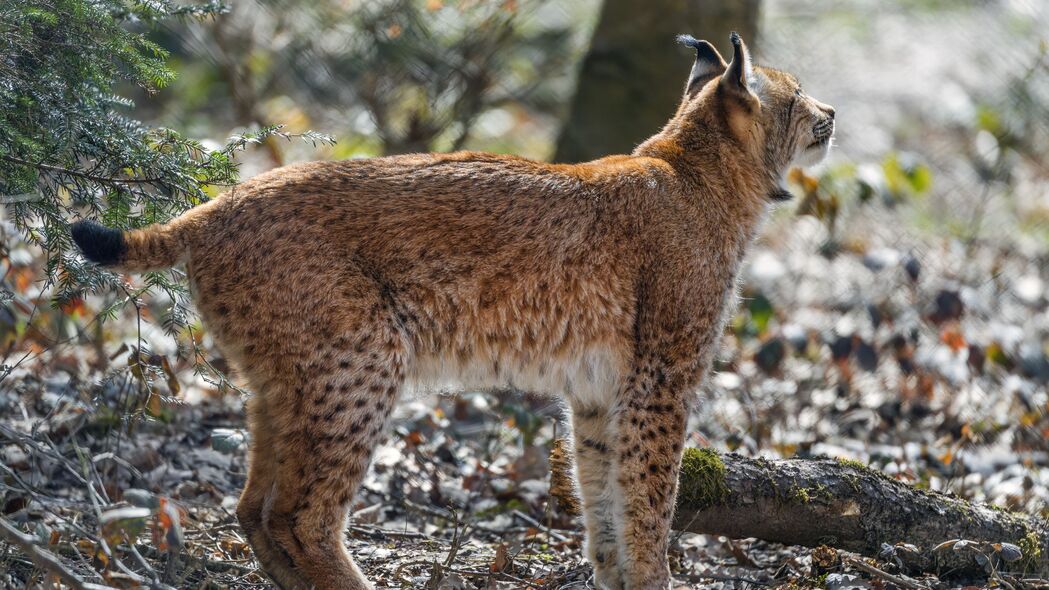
(764, 108)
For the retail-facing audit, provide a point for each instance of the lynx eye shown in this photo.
(798, 92)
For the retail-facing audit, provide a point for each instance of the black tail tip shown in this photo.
(99, 244)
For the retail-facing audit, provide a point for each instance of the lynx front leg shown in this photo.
(648, 445)
(594, 437)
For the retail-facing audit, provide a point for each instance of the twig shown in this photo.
(870, 569)
(702, 578)
(45, 559)
(377, 532)
(220, 566)
(155, 583)
(533, 522)
(457, 539)
(1003, 583)
(79, 174)
(484, 574)
(202, 562)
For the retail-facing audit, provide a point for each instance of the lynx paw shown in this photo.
(658, 579)
(608, 578)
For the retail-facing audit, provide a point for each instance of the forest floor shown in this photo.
(918, 359)
(921, 357)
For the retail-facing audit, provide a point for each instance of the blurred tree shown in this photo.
(422, 71)
(426, 70)
(235, 47)
(67, 147)
(631, 82)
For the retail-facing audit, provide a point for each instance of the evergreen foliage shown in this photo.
(69, 147)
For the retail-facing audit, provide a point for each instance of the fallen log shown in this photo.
(845, 505)
(848, 506)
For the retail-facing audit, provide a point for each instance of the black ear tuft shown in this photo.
(708, 61)
(687, 40)
(704, 50)
(739, 67)
(98, 243)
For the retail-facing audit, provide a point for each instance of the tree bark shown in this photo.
(632, 78)
(850, 507)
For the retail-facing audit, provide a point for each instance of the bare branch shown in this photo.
(44, 559)
(79, 174)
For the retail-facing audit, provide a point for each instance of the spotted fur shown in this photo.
(336, 286)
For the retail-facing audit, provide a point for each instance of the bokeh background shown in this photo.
(894, 313)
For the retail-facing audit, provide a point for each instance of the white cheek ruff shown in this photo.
(812, 156)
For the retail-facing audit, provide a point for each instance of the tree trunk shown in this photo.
(850, 507)
(633, 78)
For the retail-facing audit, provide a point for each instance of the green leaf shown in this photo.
(761, 312)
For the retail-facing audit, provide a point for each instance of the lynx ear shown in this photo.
(709, 62)
(740, 73)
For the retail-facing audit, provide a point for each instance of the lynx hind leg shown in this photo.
(258, 491)
(594, 438)
(343, 415)
(328, 416)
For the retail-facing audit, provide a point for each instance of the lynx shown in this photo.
(335, 286)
